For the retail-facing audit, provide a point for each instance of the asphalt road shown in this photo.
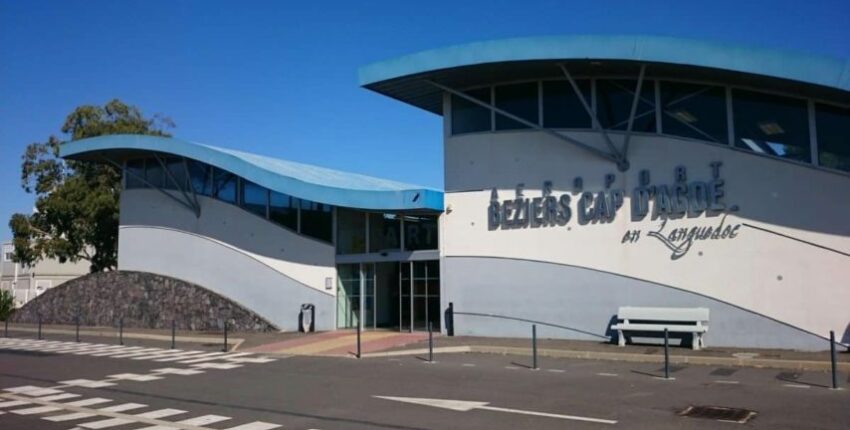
(463, 391)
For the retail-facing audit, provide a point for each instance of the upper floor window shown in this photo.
(317, 220)
(224, 185)
(468, 117)
(154, 174)
(384, 232)
(833, 129)
(200, 177)
(420, 232)
(135, 174)
(283, 209)
(7, 256)
(351, 231)
(175, 173)
(614, 99)
(694, 111)
(254, 198)
(562, 107)
(771, 124)
(520, 100)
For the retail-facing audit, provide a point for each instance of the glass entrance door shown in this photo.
(356, 292)
(419, 295)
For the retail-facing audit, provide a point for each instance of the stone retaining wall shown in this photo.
(143, 300)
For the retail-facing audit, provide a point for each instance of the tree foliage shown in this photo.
(7, 304)
(76, 208)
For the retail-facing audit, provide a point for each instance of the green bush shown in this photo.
(7, 304)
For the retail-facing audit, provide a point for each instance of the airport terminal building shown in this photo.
(582, 174)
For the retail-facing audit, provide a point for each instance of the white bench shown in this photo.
(675, 320)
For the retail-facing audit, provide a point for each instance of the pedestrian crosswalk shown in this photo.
(50, 404)
(198, 359)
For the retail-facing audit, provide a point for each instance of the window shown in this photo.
(7, 256)
(420, 232)
(283, 209)
(833, 126)
(199, 177)
(224, 185)
(317, 220)
(770, 124)
(351, 231)
(154, 174)
(384, 232)
(468, 117)
(517, 99)
(175, 173)
(614, 104)
(135, 174)
(562, 107)
(694, 111)
(254, 198)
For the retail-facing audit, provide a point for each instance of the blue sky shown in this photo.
(280, 78)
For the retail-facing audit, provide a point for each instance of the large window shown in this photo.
(614, 104)
(224, 185)
(562, 107)
(317, 220)
(154, 175)
(468, 117)
(200, 176)
(771, 124)
(134, 177)
(833, 126)
(283, 209)
(254, 198)
(175, 174)
(351, 231)
(384, 232)
(694, 111)
(420, 232)
(520, 100)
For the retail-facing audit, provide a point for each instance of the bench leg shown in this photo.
(621, 340)
(696, 341)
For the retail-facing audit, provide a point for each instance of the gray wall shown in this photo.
(586, 301)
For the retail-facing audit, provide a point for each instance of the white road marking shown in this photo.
(134, 377)
(182, 355)
(468, 365)
(220, 366)
(102, 424)
(556, 370)
(607, 374)
(123, 407)
(217, 357)
(511, 367)
(138, 353)
(162, 413)
(36, 410)
(466, 406)
(119, 351)
(70, 417)
(721, 381)
(87, 383)
(796, 386)
(173, 371)
(87, 402)
(258, 360)
(203, 420)
(34, 391)
(256, 425)
(56, 397)
(13, 403)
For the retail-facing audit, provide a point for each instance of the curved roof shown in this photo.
(392, 77)
(305, 181)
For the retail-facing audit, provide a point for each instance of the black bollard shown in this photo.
(6, 328)
(121, 331)
(225, 337)
(358, 339)
(666, 354)
(173, 331)
(834, 365)
(534, 346)
(78, 326)
(450, 320)
(430, 342)
(39, 327)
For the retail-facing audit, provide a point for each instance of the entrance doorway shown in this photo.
(403, 296)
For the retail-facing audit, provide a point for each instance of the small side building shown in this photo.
(28, 282)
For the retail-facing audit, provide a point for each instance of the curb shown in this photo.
(130, 335)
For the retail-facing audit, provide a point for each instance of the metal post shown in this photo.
(6, 328)
(78, 326)
(39, 327)
(450, 320)
(832, 354)
(358, 339)
(534, 346)
(225, 337)
(173, 330)
(121, 331)
(430, 342)
(666, 354)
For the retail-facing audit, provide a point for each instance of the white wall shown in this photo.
(780, 277)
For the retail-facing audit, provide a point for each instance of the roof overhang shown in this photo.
(482, 63)
(305, 181)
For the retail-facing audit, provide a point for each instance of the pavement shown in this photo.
(62, 384)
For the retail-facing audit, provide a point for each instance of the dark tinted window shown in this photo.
(350, 231)
(517, 99)
(135, 174)
(175, 177)
(384, 232)
(770, 124)
(614, 104)
(833, 125)
(695, 111)
(284, 210)
(562, 107)
(224, 185)
(420, 232)
(154, 174)
(254, 198)
(468, 117)
(199, 177)
(316, 220)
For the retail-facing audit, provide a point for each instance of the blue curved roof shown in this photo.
(806, 68)
(305, 181)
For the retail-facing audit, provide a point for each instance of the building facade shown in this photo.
(28, 282)
(582, 174)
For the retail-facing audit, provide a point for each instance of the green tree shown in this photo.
(7, 304)
(76, 206)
